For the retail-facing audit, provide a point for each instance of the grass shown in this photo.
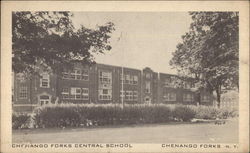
(146, 133)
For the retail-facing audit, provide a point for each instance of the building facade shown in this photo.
(102, 84)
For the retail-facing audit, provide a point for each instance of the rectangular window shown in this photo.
(75, 93)
(23, 92)
(85, 93)
(65, 75)
(188, 97)
(65, 93)
(148, 87)
(85, 74)
(129, 95)
(76, 74)
(122, 94)
(127, 79)
(169, 96)
(135, 96)
(105, 85)
(44, 81)
(135, 79)
(105, 77)
(122, 78)
(131, 79)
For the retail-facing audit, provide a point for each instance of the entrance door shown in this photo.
(44, 100)
(147, 100)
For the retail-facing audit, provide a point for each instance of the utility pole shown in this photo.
(122, 77)
(123, 94)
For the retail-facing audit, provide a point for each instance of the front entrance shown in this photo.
(44, 100)
(147, 100)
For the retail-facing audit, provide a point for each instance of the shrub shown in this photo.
(86, 115)
(57, 117)
(156, 114)
(183, 113)
(226, 113)
(68, 115)
(20, 121)
(203, 112)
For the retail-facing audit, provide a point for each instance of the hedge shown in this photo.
(75, 116)
(20, 121)
(72, 115)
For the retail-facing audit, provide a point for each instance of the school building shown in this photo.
(100, 84)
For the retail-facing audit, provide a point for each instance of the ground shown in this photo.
(157, 133)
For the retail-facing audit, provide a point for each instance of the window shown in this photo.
(129, 95)
(65, 93)
(76, 74)
(85, 93)
(105, 77)
(105, 85)
(122, 94)
(127, 79)
(75, 93)
(122, 78)
(131, 80)
(205, 98)
(85, 74)
(169, 96)
(65, 75)
(148, 87)
(44, 99)
(188, 97)
(135, 96)
(135, 79)
(44, 81)
(23, 92)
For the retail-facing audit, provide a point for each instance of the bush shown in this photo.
(155, 114)
(226, 113)
(203, 112)
(183, 113)
(57, 117)
(207, 112)
(20, 121)
(99, 115)
(68, 115)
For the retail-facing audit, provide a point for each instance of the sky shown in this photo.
(147, 39)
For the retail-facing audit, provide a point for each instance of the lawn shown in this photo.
(155, 133)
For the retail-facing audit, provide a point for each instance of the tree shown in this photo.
(209, 52)
(50, 40)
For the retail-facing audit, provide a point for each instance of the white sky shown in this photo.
(148, 38)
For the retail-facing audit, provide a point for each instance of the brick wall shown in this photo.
(139, 86)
